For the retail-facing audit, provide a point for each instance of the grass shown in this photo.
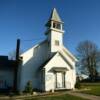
(59, 97)
(94, 88)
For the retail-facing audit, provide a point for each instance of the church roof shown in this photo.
(55, 16)
(6, 64)
(69, 54)
(47, 61)
(44, 63)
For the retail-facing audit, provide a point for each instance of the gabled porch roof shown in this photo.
(56, 68)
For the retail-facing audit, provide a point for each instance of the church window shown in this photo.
(56, 42)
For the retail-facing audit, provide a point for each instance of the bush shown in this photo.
(28, 88)
(78, 85)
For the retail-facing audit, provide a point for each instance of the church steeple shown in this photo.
(54, 21)
(54, 31)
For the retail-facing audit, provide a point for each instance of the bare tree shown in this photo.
(89, 58)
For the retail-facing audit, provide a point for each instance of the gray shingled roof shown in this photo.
(54, 16)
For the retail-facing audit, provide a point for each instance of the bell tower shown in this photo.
(54, 31)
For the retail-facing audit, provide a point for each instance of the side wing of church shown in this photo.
(49, 65)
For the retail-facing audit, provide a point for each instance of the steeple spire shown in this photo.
(54, 16)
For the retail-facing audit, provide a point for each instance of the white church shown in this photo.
(49, 65)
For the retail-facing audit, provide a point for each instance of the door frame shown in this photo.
(63, 80)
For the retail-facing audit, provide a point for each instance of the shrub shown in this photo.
(28, 88)
(78, 85)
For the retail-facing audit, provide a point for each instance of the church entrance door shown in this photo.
(60, 80)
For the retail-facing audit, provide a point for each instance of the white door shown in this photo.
(59, 80)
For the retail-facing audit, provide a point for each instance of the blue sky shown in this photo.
(25, 19)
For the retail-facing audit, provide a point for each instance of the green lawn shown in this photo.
(60, 97)
(94, 88)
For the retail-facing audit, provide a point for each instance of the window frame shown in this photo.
(57, 42)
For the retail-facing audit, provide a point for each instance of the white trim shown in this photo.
(69, 54)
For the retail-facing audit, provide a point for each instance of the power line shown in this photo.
(28, 40)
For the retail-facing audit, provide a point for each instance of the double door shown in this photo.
(60, 80)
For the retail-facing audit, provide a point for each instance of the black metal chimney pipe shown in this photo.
(17, 64)
(17, 49)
